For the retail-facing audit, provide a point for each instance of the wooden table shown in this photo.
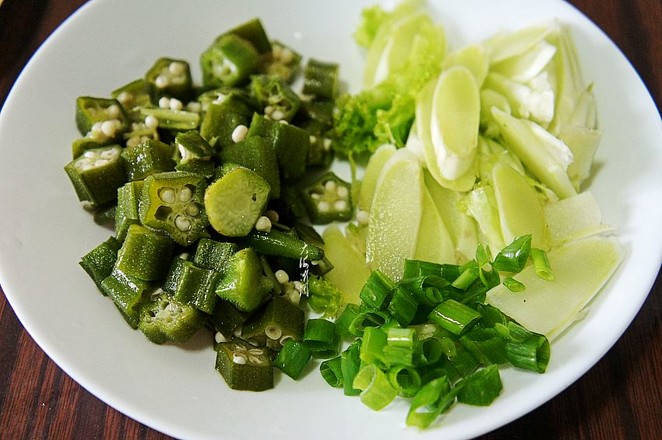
(620, 398)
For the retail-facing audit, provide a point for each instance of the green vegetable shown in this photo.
(97, 174)
(169, 77)
(293, 358)
(244, 283)
(164, 319)
(328, 199)
(243, 366)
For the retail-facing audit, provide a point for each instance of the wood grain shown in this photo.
(620, 398)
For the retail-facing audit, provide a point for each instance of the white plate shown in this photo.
(176, 390)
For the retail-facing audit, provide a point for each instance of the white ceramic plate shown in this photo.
(44, 232)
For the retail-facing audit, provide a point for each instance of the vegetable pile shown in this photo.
(227, 214)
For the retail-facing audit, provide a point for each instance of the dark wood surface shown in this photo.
(620, 398)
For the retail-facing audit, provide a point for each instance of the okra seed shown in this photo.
(282, 276)
(133, 141)
(340, 205)
(285, 338)
(161, 81)
(315, 196)
(362, 217)
(182, 223)
(239, 359)
(192, 210)
(100, 162)
(263, 224)
(151, 121)
(313, 139)
(176, 104)
(167, 195)
(110, 127)
(113, 111)
(194, 106)
(239, 133)
(342, 192)
(327, 144)
(185, 194)
(273, 332)
(299, 287)
(256, 351)
(125, 97)
(164, 102)
(268, 110)
(219, 337)
(177, 68)
(90, 154)
(109, 154)
(330, 185)
(323, 206)
(277, 115)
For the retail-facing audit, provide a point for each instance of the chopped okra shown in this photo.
(196, 286)
(244, 282)
(222, 117)
(328, 199)
(190, 146)
(126, 212)
(145, 254)
(164, 319)
(146, 158)
(102, 120)
(277, 100)
(321, 79)
(243, 366)
(275, 323)
(173, 202)
(256, 154)
(229, 61)
(283, 62)
(132, 96)
(100, 261)
(97, 174)
(169, 77)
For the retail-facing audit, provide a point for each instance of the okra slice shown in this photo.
(175, 271)
(276, 322)
(213, 254)
(145, 254)
(102, 120)
(97, 174)
(243, 366)
(227, 318)
(146, 158)
(256, 154)
(100, 261)
(81, 145)
(321, 79)
(236, 201)
(164, 319)
(191, 146)
(328, 199)
(223, 117)
(282, 244)
(290, 143)
(126, 213)
(253, 30)
(169, 119)
(244, 283)
(229, 61)
(275, 97)
(132, 95)
(173, 202)
(128, 294)
(282, 61)
(170, 77)
(320, 153)
(196, 286)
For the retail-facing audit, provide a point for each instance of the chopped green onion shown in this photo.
(541, 264)
(481, 387)
(320, 336)
(343, 322)
(469, 273)
(366, 319)
(376, 390)
(513, 257)
(293, 358)
(513, 285)
(403, 306)
(406, 380)
(331, 370)
(372, 346)
(454, 316)
(486, 345)
(430, 401)
(376, 292)
(350, 363)
(525, 349)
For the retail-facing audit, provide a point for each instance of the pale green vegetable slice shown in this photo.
(581, 268)
(455, 121)
(583, 142)
(471, 56)
(541, 155)
(528, 65)
(434, 241)
(461, 227)
(396, 214)
(350, 270)
(520, 209)
(533, 100)
(372, 171)
(481, 204)
(573, 218)
(510, 44)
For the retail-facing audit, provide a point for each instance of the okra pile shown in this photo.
(212, 190)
